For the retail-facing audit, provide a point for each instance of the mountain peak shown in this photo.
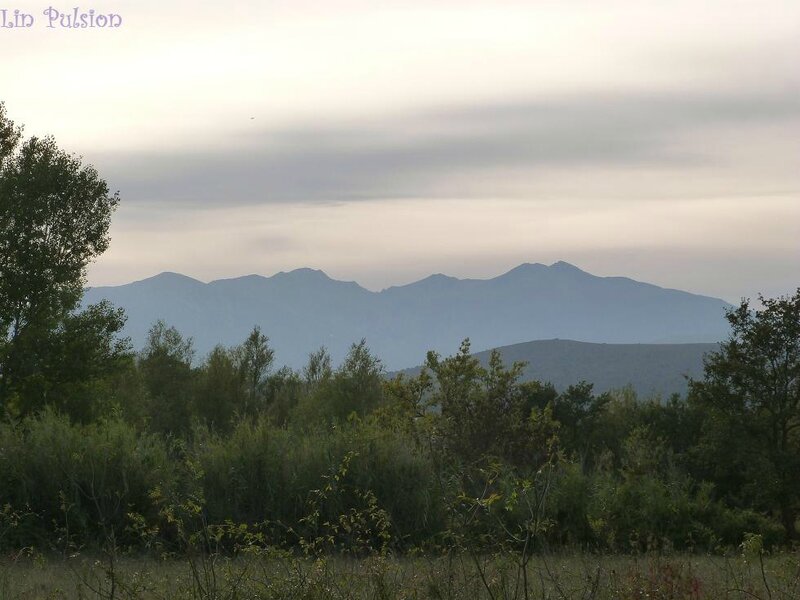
(435, 281)
(566, 267)
(525, 269)
(313, 278)
(170, 278)
(303, 274)
(438, 278)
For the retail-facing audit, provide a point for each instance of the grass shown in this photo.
(456, 577)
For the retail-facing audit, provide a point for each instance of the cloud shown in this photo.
(439, 152)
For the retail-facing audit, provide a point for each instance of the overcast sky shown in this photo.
(382, 141)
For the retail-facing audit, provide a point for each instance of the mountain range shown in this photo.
(304, 309)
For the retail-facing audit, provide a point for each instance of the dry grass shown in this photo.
(582, 577)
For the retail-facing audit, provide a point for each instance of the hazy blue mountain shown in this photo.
(650, 369)
(304, 309)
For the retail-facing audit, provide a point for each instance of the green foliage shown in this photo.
(579, 412)
(348, 462)
(78, 362)
(355, 388)
(55, 214)
(264, 474)
(360, 530)
(166, 367)
(485, 413)
(651, 504)
(79, 481)
(283, 390)
(254, 360)
(318, 370)
(221, 391)
(751, 394)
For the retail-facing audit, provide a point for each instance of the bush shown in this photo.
(261, 473)
(80, 481)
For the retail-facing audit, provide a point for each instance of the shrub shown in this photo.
(81, 481)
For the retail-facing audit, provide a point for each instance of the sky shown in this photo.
(383, 141)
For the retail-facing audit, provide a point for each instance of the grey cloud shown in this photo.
(275, 243)
(411, 155)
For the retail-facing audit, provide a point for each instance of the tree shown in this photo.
(750, 396)
(55, 214)
(355, 388)
(254, 359)
(82, 357)
(578, 410)
(357, 385)
(283, 390)
(166, 366)
(220, 390)
(318, 369)
(486, 413)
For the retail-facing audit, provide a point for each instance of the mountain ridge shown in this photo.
(558, 265)
(303, 309)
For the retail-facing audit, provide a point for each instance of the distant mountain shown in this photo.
(650, 369)
(304, 309)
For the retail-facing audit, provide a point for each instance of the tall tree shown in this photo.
(166, 366)
(750, 444)
(318, 369)
(220, 390)
(78, 363)
(486, 412)
(254, 359)
(55, 214)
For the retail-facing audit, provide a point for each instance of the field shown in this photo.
(454, 577)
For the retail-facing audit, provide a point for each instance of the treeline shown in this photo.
(343, 459)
